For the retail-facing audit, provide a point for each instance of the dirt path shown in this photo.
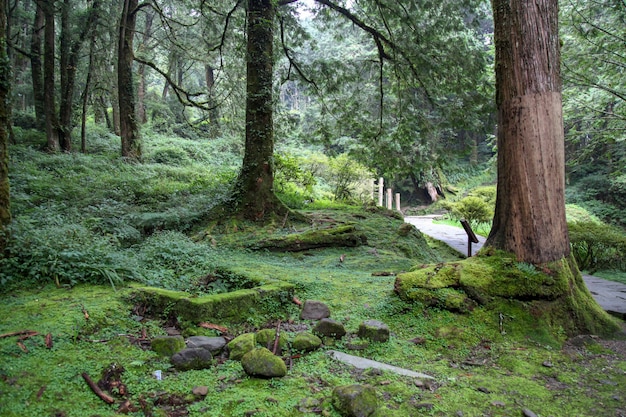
(609, 294)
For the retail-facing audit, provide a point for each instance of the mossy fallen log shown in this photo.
(340, 236)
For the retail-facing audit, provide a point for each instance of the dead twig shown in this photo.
(103, 396)
(277, 338)
(19, 333)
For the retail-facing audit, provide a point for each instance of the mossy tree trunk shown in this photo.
(529, 219)
(52, 124)
(254, 197)
(129, 130)
(5, 70)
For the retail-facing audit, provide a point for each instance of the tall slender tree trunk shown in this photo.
(213, 112)
(5, 76)
(141, 72)
(529, 219)
(52, 124)
(36, 67)
(254, 190)
(129, 131)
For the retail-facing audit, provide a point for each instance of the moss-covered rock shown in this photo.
(306, 342)
(261, 362)
(267, 337)
(192, 358)
(374, 330)
(167, 345)
(241, 345)
(329, 327)
(339, 236)
(355, 400)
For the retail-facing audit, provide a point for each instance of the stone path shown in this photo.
(610, 295)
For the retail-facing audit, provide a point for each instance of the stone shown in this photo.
(167, 345)
(306, 342)
(355, 400)
(200, 391)
(374, 330)
(212, 344)
(314, 310)
(527, 413)
(241, 345)
(266, 338)
(330, 328)
(192, 358)
(362, 363)
(261, 362)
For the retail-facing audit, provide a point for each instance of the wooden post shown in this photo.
(389, 198)
(471, 237)
(398, 202)
(381, 183)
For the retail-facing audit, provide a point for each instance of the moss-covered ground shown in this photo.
(484, 363)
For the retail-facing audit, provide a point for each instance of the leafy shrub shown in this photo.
(350, 180)
(597, 246)
(485, 193)
(473, 209)
(169, 155)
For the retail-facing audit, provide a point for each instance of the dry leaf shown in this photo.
(217, 327)
(49, 341)
(23, 347)
(298, 302)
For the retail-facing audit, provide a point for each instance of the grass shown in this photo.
(144, 223)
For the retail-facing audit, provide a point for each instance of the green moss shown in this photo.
(241, 345)
(167, 345)
(266, 338)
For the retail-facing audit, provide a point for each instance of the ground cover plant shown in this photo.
(85, 242)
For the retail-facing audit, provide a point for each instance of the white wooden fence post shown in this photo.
(398, 202)
(389, 198)
(381, 183)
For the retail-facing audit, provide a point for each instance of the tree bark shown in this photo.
(52, 124)
(529, 218)
(36, 67)
(5, 72)
(129, 131)
(141, 72)
(254, 190)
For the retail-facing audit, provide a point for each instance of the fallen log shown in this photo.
(340, 236)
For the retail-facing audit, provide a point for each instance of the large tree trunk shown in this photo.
(254, 190)
(5, 71)
(36, 67)
(529, 219)
(129, 131)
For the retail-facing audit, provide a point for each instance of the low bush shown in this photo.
(597, 246)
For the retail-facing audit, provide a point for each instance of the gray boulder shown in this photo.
(260, 362)
(212, 344)
(374, 330)
(192, 358)
(314, 310)
(330, 328)
(355, 400)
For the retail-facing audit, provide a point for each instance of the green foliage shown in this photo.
(597, 246)
(473, 209)
(350, 180)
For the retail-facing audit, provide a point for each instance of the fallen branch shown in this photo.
(19, 333)
(103, 396)
(277, 338)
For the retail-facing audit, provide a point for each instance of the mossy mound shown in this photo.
(551, 295)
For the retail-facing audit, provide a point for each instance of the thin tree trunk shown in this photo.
(213, 112)
(5, 76)
(85, 96)
(52, 125)
(141, 89)
(36, 67)
(529, 219)
(129, 131)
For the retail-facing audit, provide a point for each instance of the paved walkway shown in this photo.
(610, 295)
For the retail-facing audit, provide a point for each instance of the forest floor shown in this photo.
(478, 369)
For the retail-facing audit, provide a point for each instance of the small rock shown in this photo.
(355, 400)
(201, 391)
(267, 337)
(374, 330)
(192, 358)
(263, 363)
(418, 340)
(309, 405)
(306, 342)
(527, 413)
(484, 389)
(212, 344)
(241, 345)
(331, 328)
(548, 364)
(167, 345)
(424, 406)
(459, 413)
(314, 310)
(498, 404)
